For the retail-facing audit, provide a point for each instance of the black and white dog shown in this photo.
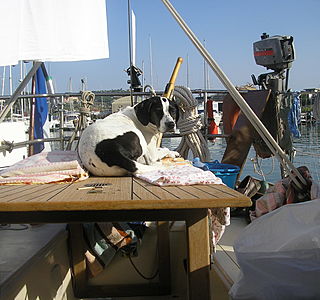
(126, 142)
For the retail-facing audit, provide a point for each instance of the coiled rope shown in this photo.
(87, 99)
(189, 125)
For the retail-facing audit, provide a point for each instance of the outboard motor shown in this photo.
(275, 53)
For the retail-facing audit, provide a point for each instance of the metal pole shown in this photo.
(32, 114)
(151, 63)
(19, 89)
(245, 108)
(130, 49)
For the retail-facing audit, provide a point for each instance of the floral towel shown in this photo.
(45, 167)
(179, 175)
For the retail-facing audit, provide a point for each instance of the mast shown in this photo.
(151, 62)
(130, 48)
(3, 79)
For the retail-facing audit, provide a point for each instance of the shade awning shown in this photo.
(53, 30)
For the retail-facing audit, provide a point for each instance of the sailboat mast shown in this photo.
(151, 63)
(130, 48)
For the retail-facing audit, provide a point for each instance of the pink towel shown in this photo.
(45, 167)
(179, 175)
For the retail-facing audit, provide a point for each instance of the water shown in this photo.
(307, 154)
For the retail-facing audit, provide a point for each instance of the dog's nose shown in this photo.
(170, 125)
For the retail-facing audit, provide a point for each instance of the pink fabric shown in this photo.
(179, 175)
(284, 192)
(45, 167)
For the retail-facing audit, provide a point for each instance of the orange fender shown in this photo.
(213, 128)
(230, 114)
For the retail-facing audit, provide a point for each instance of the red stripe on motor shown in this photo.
(264, 53)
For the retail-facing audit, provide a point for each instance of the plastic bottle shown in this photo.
(196, 162)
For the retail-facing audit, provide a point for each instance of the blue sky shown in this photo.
(228, 28)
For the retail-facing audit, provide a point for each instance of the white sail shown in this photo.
(53, 30)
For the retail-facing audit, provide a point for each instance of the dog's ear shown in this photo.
(174, 110)
(143, 111)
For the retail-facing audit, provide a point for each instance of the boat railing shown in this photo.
(57, 107)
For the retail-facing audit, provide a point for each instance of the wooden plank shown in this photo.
(220, 191)
(149, 190)
(141, 191)
(180, 192)
(117, 188)
(78, 262)
(197, 192)
(198, 255)
(31, 192)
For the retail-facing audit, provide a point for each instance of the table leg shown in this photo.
(164, 257)
(198, 255)
(78, 259)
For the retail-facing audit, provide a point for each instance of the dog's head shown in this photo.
(159, 111)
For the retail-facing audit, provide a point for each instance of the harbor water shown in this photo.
(306, 147)
(307, 154)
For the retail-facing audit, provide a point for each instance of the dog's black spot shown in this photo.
(156, 113)
(121, 151)
(174, 110)
(149, 111)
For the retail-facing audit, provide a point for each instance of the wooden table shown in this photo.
(126, 199)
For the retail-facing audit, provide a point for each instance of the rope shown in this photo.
(257, 167)
(189, 125)
(152, 91)
(87, 99)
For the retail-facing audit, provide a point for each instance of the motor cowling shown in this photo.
(275, 53)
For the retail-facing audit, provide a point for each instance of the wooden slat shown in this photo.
(220, 191)
(34, 193)
(197, 192)
(180, 192)
(144, 190)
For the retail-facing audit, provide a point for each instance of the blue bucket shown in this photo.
(227, 173)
